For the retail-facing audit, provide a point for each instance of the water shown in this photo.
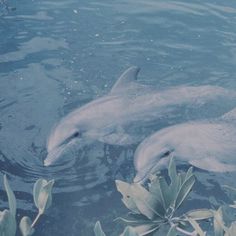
(56, 56)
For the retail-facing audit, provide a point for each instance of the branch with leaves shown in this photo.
(42, 198)
(156, 206)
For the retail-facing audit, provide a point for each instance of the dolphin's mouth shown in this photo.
(53, 155)
(161, 164)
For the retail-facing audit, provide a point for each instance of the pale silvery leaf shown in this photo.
(98, 229)
(129, 231)
(200, 214)
(218, 223)
(43, 194)
(11, 196)
(125, 189)
(165, 193)
(172, 171)
(155, 188)
(25, 226)
(196, 227)
(174, 180)
(146, 229)
(146, 202)
(232, 230)
(7, 223)
(184, 190)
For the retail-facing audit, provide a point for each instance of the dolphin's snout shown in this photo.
(46, 162)
(53, 156)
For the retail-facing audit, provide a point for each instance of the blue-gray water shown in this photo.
(57, 55)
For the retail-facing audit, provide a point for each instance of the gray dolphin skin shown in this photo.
(120, 117)
(208, 145)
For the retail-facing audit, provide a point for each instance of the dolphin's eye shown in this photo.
(165, 154)
(76, 134)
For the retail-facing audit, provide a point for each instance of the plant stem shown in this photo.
(35, 220)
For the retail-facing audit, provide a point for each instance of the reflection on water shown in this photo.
(57, 56)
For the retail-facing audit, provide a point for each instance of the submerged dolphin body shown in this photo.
(121, 116)
(208, 145)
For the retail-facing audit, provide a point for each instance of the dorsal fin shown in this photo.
(231, 115)
(130, 75)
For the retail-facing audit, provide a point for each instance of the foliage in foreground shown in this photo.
(156, 206)
(42, 198)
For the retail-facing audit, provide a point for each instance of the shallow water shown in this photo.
(56, 56)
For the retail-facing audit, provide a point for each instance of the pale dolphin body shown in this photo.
(208, 145)
(121, 116)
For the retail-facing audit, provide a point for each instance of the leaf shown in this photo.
(200, 214)
(37, 187)
(155, 189)
(218, 223)
(7, 223)
(146, 229)
(125, 189)
(135, 222)
(165, 193)
(184, 191)
(172, 171)
(232, 230)
(129, 231)
(43, 194)
(175, 182)
(189, 173)
(11, 196)
(146, 202)
(98, 229)
(25, 226)
(196, 227)
(172, 231)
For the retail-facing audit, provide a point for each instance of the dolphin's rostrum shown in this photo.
(125, 115)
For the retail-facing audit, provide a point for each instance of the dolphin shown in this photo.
(126, 113)
(207, 144)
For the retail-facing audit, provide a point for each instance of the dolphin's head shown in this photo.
(62, 136)
(152, 155)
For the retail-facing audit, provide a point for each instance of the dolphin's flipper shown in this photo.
(212, 164)
(130, 75)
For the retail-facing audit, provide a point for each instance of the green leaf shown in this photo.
(125, 189)
(172, 231)
(155, 189)
(172, 171)
(189, 173)
(129, 231)
(43, 194)
(25, 226)
(184, 191)
(146, 202)
(175, 182)
(11, 196)
(98, 229)
(200, 214)
(7, 223)
(166, 195)
(196, 227)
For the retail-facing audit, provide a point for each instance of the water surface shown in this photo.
(58, 55)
